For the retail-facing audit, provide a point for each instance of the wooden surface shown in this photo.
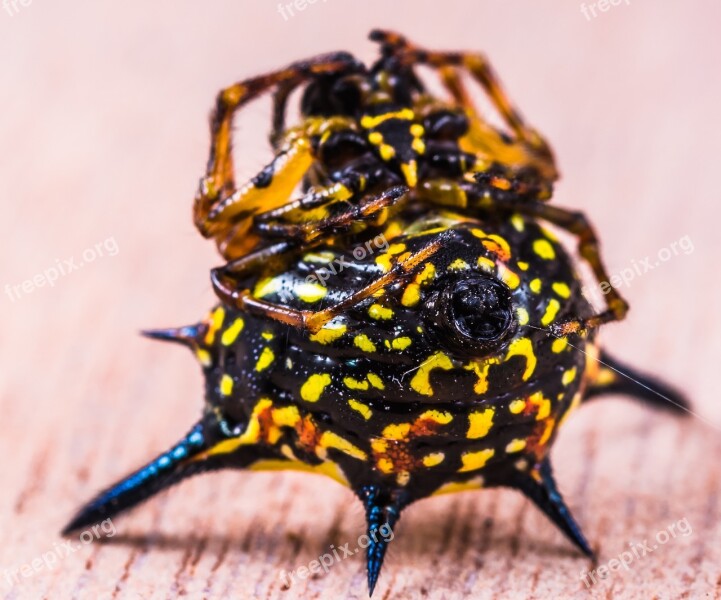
(103, 136)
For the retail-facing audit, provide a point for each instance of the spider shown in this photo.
(448, 361)
(371, 139)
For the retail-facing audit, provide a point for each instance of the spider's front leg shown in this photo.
(225, 283)
(496, 192)
(218, 183)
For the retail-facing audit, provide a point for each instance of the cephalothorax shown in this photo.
(406, 325)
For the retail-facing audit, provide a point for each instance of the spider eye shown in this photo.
(471, 316)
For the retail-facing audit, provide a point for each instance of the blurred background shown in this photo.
(103, 137)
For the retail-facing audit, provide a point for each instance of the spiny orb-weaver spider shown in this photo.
(445, 361)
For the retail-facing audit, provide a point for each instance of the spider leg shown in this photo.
(219, 180)
(228, 219)
(371, 209)
(452, 167)
(540, 487)
(577, 223)
(614, 377)
(312, 321)
(382, 511)
(303, 236)
(533, 150)
(499, 192)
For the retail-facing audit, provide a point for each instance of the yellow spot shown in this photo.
(403, 478)
(309, 291)
(433, 459)
(323, 257)
(481, 371)
(409, 170)
(216, 323)
(517, 406)
(385, 262)
(517, 222)
(387, 151)
(475, 460)
(523, 265)
(440, 417)
(267, 286)
(535, 285)
(265, 359)
(401, 343)
(363, 409)
(417, 130)
(544, 249)
(479, 423)
(371, 121)
(418, 145)
(543, 404)
(562, 289)
(333, 440)
(329, 333)
(522, 315)
(226, 385)
(396, 431)
(363, 342)
(314, 386)
(396, 248)
(421, 380)
(267, 335)
(515, 445)
(486, 264)
(569, 376)
(379, 445)
(354, 384)
(551, 312)
(458, 265)
(375, 381)
(376, 311)
(559, 345)
(287, 416)
(411, 295)
(231, 334)
(511, 279)
(385, 465)
(375, 138)
(203, 357)
(427, 274)
(453, 487)
(523, 347)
